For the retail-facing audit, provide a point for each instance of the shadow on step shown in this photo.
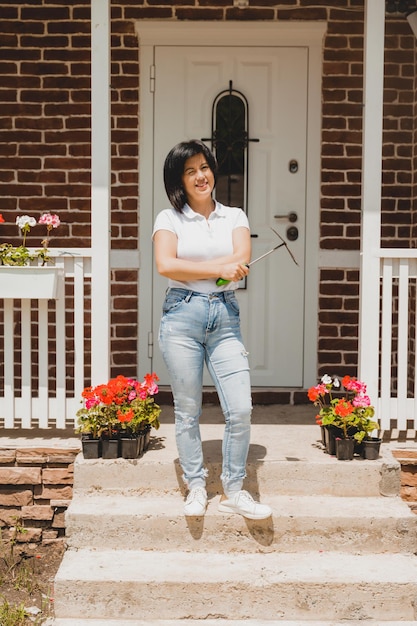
(279, 414)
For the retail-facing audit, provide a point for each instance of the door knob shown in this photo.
(292, 233)
(291, 217)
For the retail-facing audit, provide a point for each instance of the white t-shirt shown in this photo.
(202, 240)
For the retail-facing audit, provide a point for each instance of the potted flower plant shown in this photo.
(122, 410)
(92, 423)
(23, 273)
(346, 417)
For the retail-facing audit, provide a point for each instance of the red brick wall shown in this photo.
(45, 138)
(398, 138)
(338, 321)
(45, 135)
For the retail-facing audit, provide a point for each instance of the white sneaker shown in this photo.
(243, 503)
(196, 502)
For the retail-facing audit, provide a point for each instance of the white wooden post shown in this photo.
(371, 195)
(100, 195)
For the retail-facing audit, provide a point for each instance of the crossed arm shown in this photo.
(231, 267)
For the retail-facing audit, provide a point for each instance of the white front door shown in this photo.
(277, 66)
(274, 81)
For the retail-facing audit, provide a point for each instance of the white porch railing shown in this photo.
(46, 350)
(397, 317)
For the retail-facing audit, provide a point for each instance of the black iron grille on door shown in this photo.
(230, 142)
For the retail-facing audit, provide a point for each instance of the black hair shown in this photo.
(174, 169)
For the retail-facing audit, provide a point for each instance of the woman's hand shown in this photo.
(234, 272)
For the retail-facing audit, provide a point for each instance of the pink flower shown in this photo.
(150, 383)
(153, 389)
(361, 401)
(359, 387)
(143, 394)
(90, 402)
(50, 220)
(352, 384)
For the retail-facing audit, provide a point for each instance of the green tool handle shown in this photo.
(223, 281)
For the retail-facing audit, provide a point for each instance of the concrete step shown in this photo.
(123, 584)
(375, 524)
(223, 622)
(283, 460)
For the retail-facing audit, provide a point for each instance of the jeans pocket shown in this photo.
(172, 302)
(233, 304)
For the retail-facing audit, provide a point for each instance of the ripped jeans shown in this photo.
(199, 328)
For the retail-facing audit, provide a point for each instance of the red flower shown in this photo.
(343, 408)
(105, 394)
(125, 417)
(345, 381)
(315, 392)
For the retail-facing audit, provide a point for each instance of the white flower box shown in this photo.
(31, 282)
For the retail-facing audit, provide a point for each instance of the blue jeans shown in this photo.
(199, 328)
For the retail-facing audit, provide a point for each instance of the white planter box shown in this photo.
(32, 282)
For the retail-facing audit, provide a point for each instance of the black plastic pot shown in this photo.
(110, 448)
(330, 437)
(345, 449)
(147, 437)
(129, 448)
(370, 448)
(91, 448)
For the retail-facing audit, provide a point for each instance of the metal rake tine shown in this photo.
(285, 244)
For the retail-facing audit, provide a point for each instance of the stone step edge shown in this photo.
(383, 483)
(103, 566)
(171, 505)
(357, 525)
(242, 586)
(220, 622)
(364, 478)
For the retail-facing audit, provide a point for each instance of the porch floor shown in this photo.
(296, 432)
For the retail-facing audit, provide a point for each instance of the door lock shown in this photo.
(292, 233)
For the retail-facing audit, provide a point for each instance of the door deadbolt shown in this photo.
(292, 233)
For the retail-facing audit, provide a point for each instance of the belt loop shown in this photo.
(188, 296)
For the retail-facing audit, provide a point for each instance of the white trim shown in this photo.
(371, 193)
(100, 190)
(146, 173)
(395, 253)
(152, 33)
(165, 33)
(312, 239)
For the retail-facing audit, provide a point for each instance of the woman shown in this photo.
(197, 241)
